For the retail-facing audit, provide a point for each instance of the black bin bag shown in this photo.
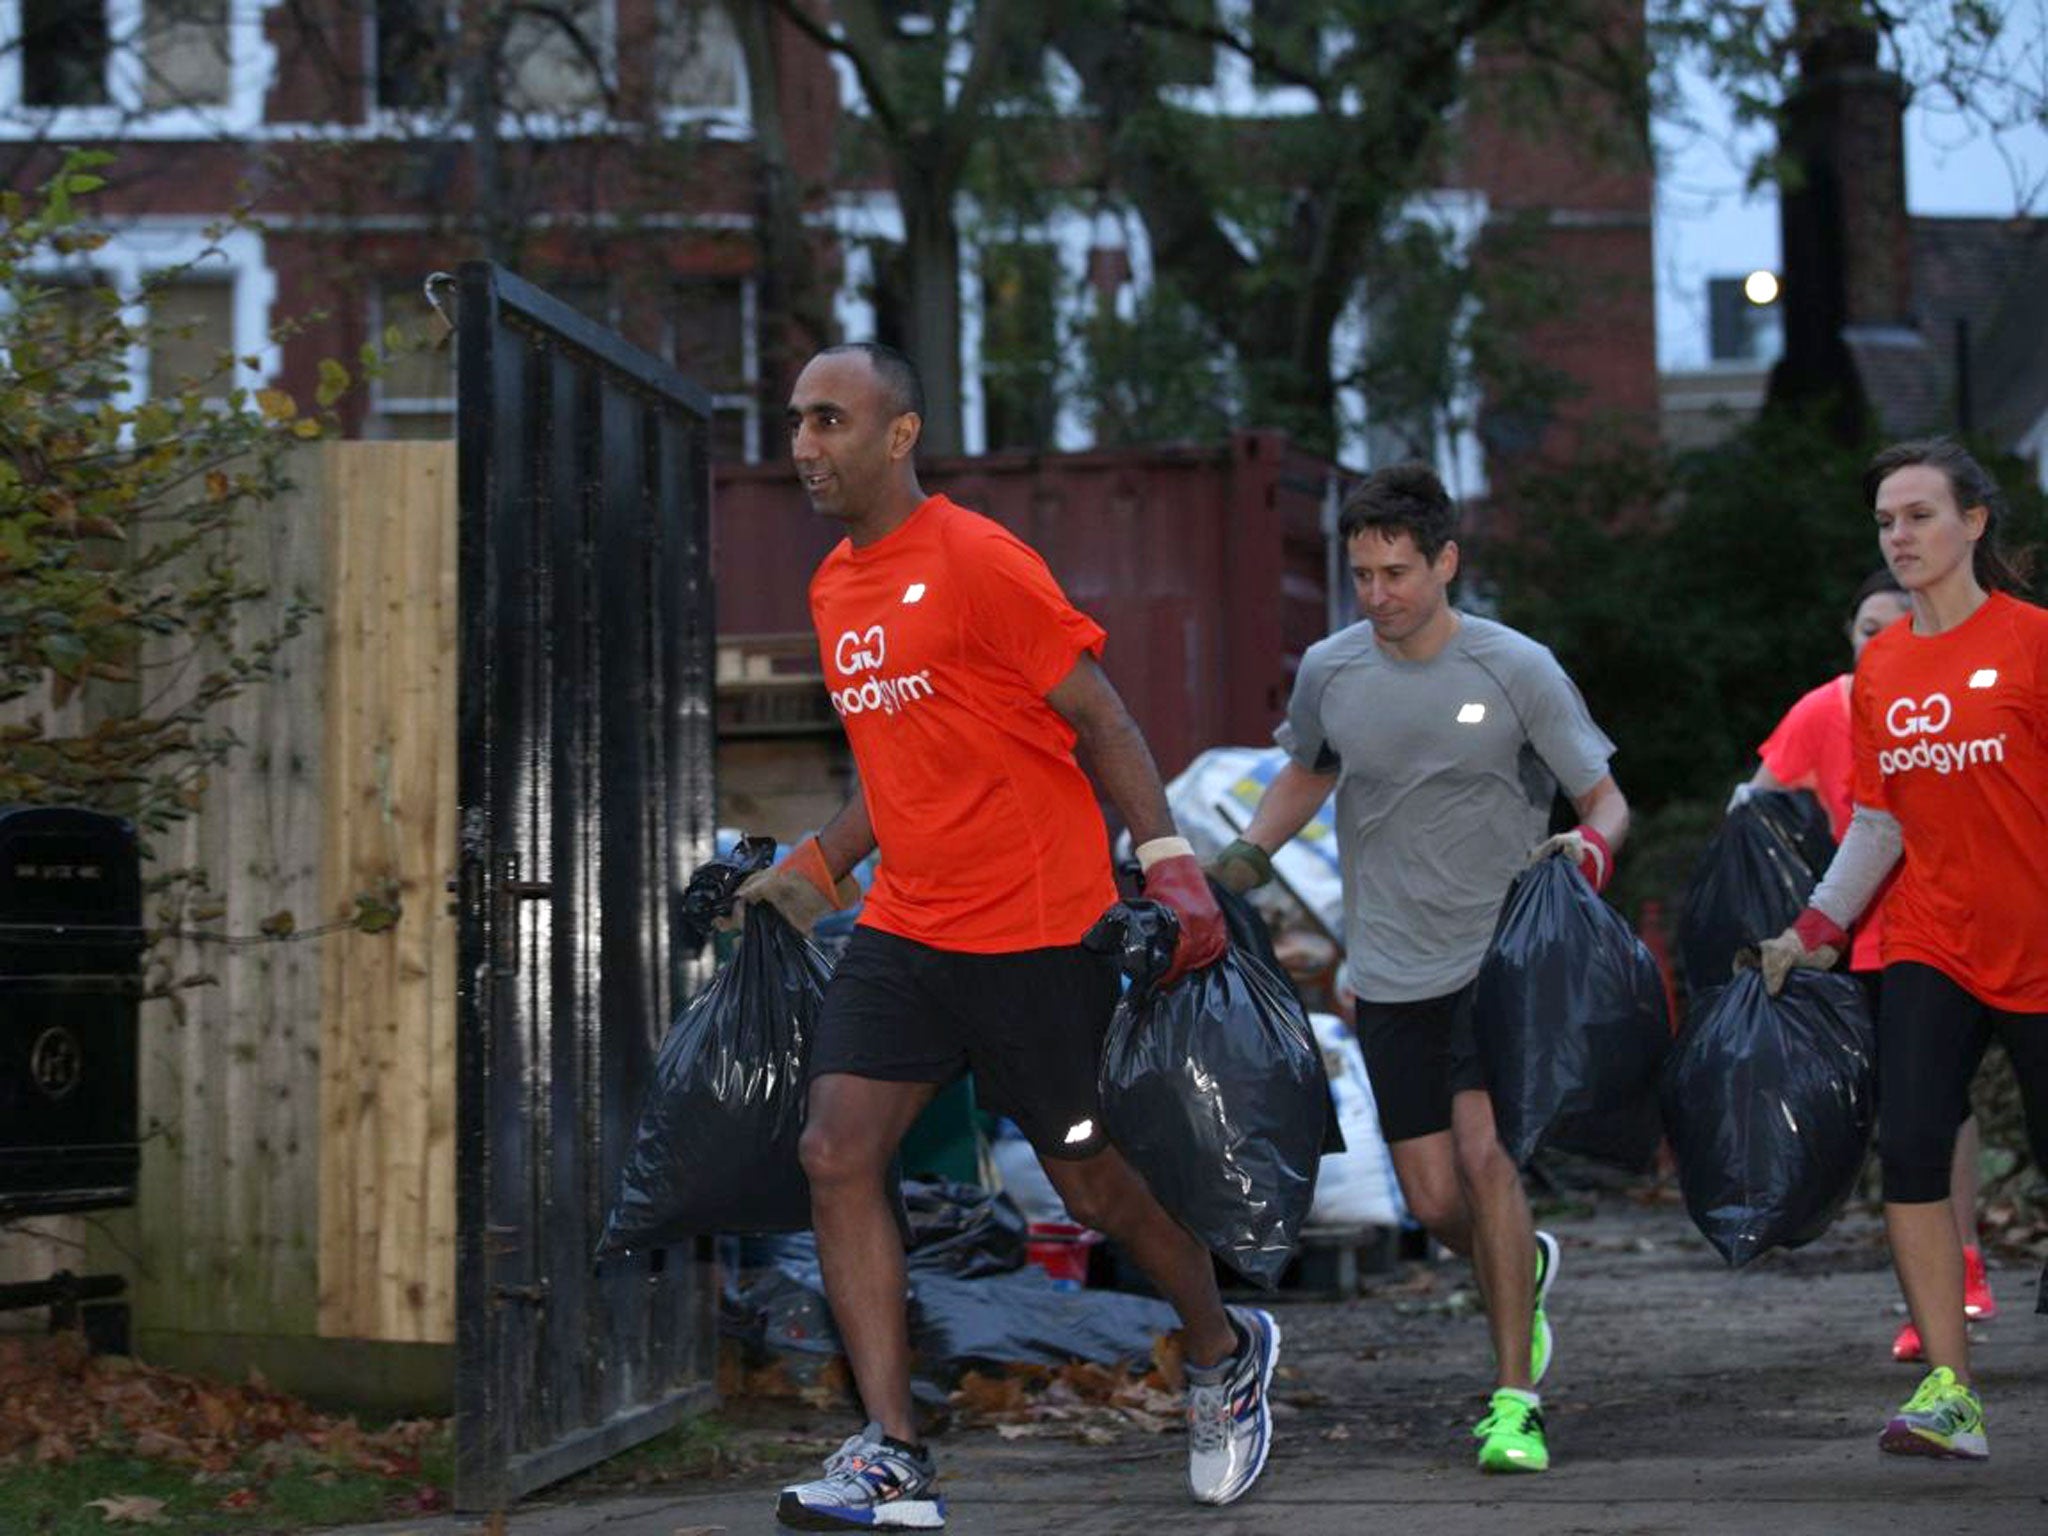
(1214, 1090)
(716, 1148)
(1769, 1103)
(1751, 881)
(1570, 1010)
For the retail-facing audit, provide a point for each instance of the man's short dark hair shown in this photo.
(1402, 498)
(899, 376)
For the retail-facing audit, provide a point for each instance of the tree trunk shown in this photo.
(795, 311)
(931, 307)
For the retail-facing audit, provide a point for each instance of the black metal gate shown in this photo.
(586, 797)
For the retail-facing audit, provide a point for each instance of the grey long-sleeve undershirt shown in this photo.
(1870, 847)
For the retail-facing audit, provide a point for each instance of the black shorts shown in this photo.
(1931, 1034)
(1418, 1056)
(1028, 1025)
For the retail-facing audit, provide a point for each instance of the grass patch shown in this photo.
(103, 1442)
(267, 1490)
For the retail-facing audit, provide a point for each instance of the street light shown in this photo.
(1761, 288)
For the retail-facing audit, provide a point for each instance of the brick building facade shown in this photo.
(623, 154)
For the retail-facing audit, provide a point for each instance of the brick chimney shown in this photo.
(1842, 211)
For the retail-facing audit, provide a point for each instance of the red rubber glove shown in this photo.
(1174, 879)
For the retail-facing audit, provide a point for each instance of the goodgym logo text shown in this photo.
(864, 650)
(1916, 722)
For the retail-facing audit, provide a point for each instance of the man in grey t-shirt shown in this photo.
(1446, 738)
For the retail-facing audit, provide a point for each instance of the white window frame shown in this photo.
(451, 117)
(451, 121)
(1460, 456)
(1234, 90)
(1070, 234)
(252, 63)
(733, 122)
(137, 250)
(384, 407)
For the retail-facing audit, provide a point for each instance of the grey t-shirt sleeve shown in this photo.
(1301, 735)
(1559, 725)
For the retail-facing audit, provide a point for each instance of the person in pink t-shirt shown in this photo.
(1810, 749)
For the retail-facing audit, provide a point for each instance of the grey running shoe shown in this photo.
(1230, 1421)
(869, 1485)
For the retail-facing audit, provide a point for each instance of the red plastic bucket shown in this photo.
(1060, 1248)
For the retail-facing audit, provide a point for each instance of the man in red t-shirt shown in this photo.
(966, 681)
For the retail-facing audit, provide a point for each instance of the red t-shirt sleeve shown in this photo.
(1017, 613)
(1793, 751)
(1810, 750)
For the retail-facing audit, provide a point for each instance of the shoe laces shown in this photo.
(1209, 1416)
(840, 1459)
(1935, 1389)
(1507, 1415)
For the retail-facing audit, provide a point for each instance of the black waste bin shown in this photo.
(71, 943)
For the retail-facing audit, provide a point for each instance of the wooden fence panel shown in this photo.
(387, 1000)
(221, 1238)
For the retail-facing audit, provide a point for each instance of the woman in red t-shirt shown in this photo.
(1811, 749)
(1950, 724)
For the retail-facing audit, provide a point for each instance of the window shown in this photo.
(192, 337)
(185, 53)
(200, 301)
(74, 309)
(555, 56)
(412, 47)
(144, 69)
(65, 45)
(711, 330)
(415, 395)
(1739, 329)
(1019, 345)
(554, 59)
(698, 66)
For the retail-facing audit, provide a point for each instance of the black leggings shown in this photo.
(1931, 1034)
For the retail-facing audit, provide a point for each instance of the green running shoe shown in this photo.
(1540, 1337)
(1942, 1418)
(1511, 1435)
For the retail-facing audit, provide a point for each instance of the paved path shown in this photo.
(1685, 1400)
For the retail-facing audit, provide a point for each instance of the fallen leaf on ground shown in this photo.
(130, 1509)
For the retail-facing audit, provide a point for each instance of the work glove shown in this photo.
(1585, 848)
(1241, 867)
(1174, 879)
(1815, 942)
(800, 887)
